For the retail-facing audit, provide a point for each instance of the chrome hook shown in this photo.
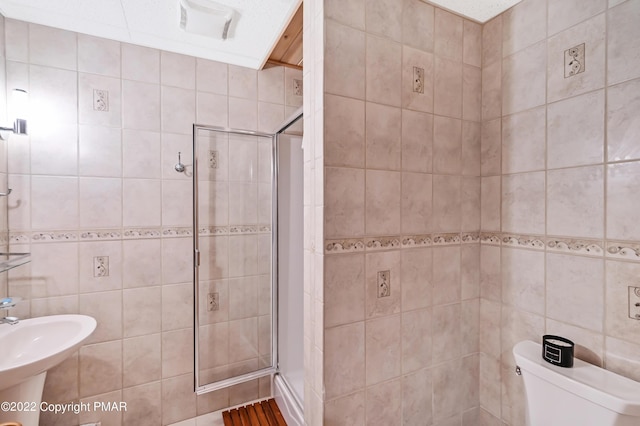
(179, 166)
(4, 194)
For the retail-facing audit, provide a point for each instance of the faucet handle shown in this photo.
(10, 320)
(9, 302)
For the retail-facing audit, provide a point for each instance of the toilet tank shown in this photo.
(585, 395)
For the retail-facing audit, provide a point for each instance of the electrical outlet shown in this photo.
(384, 284)
(574, 61)
(100, 100)
(418, 80)
(213, 159)
(297, 87)
(101, 266)
(634, 303)
(213, 302)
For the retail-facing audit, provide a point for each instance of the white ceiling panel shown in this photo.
(254, 30)
(478, 10)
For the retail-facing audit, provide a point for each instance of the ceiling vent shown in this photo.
(205, 18)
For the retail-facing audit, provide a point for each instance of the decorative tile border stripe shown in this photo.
(344, 246)
(470, 237)
(382, 243)
(623, 250)
(132, 233)
(492, 238)
(446, 239)
(416, 241)
(569, 245)
(533, 242)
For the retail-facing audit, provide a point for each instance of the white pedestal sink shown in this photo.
(28, 350)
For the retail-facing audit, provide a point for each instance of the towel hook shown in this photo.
(179, 166)
(4, 194)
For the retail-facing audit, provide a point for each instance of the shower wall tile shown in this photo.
(53, 96)
(383, 76)
(212, 76)
(346, 411)
(178, 108)
(99, 151)
(100, 368)
(523, 141)
(140, 63)
(470, 205)
(212, 109)
(383, 209)
(106, 308)
(384, 18)
(623, 108)
(344, 289)
(344, 369)
(575, 202)
(344, 202)
(54, 151)
(351, 14)
(416, 340)
(178, 399)
(492, 41)
(492, 90)
(243, 83)
(622, 206)
(383, 136)
(523, 79)
(98, 56)
(447, 145)
(177, 70)
(52, 47)
(523, 280)
(446, 275)
(345, 73)
(417, 402)
(523, 203)
(381, 405)
(471, 93)
(140, 105)
(564, 14)
(417, 141)
(592, 34)
(472, 43)
(141, 359)
(579, 280)
(416, 273)
(447, 87)
(418, 25)
(446, 389)
(490, 154)
(46, 210)
(471, 140)
(270, 116)
(416, 203)
(575, 131)
(383, 341)
(141, 309)
(622, 55)
(446, 203)
(523, 25)
(448, 35)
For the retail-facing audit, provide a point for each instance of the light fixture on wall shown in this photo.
(18, 113)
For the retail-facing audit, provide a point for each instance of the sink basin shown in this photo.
(35, 345)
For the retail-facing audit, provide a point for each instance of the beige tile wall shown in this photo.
(101, 183)
(559, 245)
(401, 194)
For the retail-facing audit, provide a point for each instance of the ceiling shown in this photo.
(477, 10)
(254, 31)
(261, 30)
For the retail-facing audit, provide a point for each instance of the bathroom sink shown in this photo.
(33, 346)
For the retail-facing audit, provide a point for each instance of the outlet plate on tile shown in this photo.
(101, 266)
(634, 303)
(100, 100)
(213, 159)
(384, 284)
(213, 302)
(418, 80)
(297, 87)
(574, 61)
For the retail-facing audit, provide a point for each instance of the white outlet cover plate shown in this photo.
(478, 10)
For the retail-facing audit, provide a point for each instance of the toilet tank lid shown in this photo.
(600, 386)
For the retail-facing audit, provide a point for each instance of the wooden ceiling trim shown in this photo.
(288, 50)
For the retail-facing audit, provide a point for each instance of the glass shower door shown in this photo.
(233, 256)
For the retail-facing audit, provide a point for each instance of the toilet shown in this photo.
(584, 395)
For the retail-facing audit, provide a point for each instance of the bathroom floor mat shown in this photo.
(264, 413)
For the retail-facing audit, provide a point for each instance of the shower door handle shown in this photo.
(196, 257)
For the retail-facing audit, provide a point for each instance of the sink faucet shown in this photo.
(9, 320)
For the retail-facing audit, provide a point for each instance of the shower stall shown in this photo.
(247, 252)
